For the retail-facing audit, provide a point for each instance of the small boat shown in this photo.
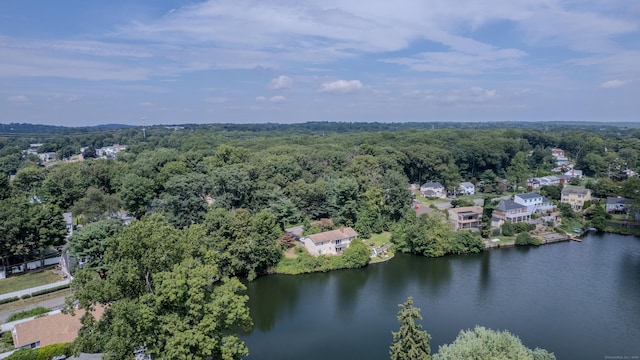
(577, 230)
(592, 229)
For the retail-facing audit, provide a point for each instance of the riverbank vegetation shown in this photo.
(355, 256)
(431, 235)
(412, 342)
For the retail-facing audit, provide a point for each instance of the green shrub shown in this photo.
(50, 290)
(355, 256)
(24, 354)
(526, 239)
(8, 300)
(7, 341)
(28, 313)
(25, 296)
(508, 229)
(48, 352)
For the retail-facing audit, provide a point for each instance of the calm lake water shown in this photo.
(578, 300)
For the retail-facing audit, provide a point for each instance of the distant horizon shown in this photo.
(85, 63)
(550, 122)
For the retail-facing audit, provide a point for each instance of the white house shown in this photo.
(467, 188)
(433, 189)
(574, 173)
(534, 202)
(329, 242)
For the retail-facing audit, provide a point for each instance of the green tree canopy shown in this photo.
(482, 343)
(410, 342)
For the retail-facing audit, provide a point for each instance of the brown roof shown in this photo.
(333, 235)
(51, 329)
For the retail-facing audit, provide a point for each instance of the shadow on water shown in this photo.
(350, 282)
(273, 296)
(629, 280)
(485, 271)
(430, 274)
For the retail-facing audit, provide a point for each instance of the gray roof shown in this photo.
(466, 184)
(530, 195)
(582, 191)
(507, 205)
(432, 185)
(618, 200)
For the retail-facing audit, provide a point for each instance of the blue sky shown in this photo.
(78, 62)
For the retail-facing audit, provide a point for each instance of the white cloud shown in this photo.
(341, 86)
(280, 83)
(18, 99)
(612, 84)
(457, 62)
(261, 99)
(278, 99)
(456, 97)
(216, 100)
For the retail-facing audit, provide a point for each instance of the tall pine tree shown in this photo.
(410, 342)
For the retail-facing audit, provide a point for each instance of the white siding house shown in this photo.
(329, 242)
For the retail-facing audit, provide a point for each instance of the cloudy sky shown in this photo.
(78, 62)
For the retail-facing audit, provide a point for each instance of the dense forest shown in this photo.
(210, 203)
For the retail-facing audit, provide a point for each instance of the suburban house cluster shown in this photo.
(435, 189)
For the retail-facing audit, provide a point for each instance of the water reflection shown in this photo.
(417, 271)
(350, 282)
(280, 295)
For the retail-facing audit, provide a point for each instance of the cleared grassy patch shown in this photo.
(28, 313)
(28, 280)
(379, 240)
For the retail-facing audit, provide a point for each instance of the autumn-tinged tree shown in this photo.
(410, 342)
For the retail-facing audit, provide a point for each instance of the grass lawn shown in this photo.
(29, 280)
(503, 239)
(378, 240)
(569, 225)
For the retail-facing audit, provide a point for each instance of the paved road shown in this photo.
(34, 289)
(54, 304)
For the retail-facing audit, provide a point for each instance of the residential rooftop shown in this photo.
(332, 235)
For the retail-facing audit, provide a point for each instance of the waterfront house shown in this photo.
(466, 218)
(329, 242)
(575, 197)
(510, 211)
(535, 203)
(618, 205)
(467, 188)
(432, 189)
